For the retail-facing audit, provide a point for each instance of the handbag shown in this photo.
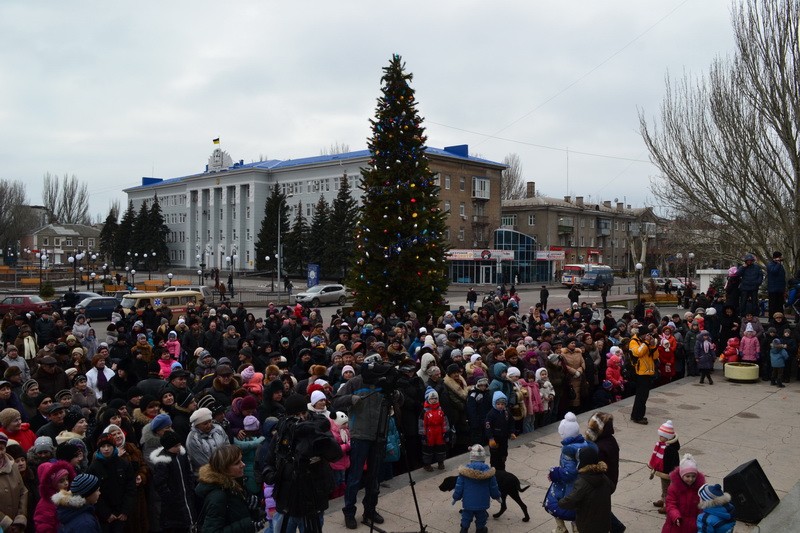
(571, 394)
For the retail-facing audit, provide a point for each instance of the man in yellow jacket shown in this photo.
(644, 353)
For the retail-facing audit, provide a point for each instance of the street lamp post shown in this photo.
(639, 268)
(92, 276)
(93, 258)
(133, 278)
(74, 259)
(279, 255)
(169, 277)
(42, 257)
(272, 283)
(231, 260)
(199, 276)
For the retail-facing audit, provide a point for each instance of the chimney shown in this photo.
(579, 201)
(607, 203)
(568, 199)
(629, 206)
(530, 191)
(620, 206)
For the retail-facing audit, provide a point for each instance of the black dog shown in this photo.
(509, 486)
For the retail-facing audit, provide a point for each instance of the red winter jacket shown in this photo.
(434, 425)
(681, 502)
(45, 517)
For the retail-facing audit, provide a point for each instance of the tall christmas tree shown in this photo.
(400, 260)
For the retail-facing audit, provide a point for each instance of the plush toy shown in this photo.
(731, 352)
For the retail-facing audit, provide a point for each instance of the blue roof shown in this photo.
(454, 152)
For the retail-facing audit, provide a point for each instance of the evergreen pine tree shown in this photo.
(318, 241)
(296, 245)
(267, 243)
(400, 249)
(340, 234)
(158, 231)
(108, 236)
(124, 239)
(139, 239)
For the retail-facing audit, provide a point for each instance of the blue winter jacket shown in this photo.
(78, 518)
(752, 276)
(476, 485)
(776, 277)
(778, 358)
(716, 516)
(564, 475)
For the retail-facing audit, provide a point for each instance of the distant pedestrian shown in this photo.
(776, 283)
(604, 295)
(751, 277)
(472, 298)
(544, 294)
(574, 295)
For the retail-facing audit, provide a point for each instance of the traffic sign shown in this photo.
(654, 273)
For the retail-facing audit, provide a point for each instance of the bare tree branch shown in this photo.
(512, 186)
(335, 149)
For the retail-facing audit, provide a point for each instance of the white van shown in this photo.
(209, 294)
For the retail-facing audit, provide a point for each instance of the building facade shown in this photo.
(572, 231)
(218, 213)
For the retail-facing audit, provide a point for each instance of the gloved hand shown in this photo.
(252, 502)
(260, 525)
(492, 443)
(577, 373)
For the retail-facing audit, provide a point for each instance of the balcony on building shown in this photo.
(481, 188)
(480, 220)
(566, 225)
(603, 227)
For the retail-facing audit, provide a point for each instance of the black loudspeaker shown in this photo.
(751, 492)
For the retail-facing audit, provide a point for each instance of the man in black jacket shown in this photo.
(600, 430)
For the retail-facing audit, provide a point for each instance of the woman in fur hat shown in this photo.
(591, 495)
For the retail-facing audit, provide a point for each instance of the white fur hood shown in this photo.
(156, 457)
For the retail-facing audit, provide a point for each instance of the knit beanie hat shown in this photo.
(317, 396)
(514, 371)
(482, 381)
(169, 439)
(84, 485)
(477, 453)
(248, 373)
(666, 430)
(8, 415)
(708, 492)
(469, 351)
(341, 418)
(203, 414)
(587, 455)
(431, 393)
(474, 357)
(251, 423)
(105, 439)
(28, 384)
(248, 403)
(3, 438)
(295, 404)
(70, 419)
(569, 426)
(160, 422)
(66, 451)
(43, 444)
(539, 372)
(688, 465)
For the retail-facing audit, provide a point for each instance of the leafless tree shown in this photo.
(16, 217)
(727, 144)
(512, 187)
(335, 149)
(67, 201)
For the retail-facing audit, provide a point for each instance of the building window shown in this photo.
(447, 182)
(68, 241)
(447, 206)
(460, 234)
(532, 220)
(220, 214)
(436, 179)
(591, 242)
(247, 232)
(221, 236)
(247, 212)
(508, 221)
(480, 188)
(91, 243)
(583, 242)
(591, 224)
(233, 212)
(583, 222)
(462, 209)
(616, 225)
(462, 183)
(56, 242)
(45, 241)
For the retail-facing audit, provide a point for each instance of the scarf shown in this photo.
(29, 347)
(657, 459)
(102, 380)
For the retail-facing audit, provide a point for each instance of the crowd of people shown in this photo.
(226, 421)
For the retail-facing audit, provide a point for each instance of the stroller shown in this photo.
(793, 298)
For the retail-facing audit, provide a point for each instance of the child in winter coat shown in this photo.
(173, 345)
(705, 354)
(664, 459)
(341, 433)
(76, 513)
(54, 480)
(731, 352)
(683, 498)
(563, 476)
(547, 393)
(165, 361)
(591, 495)
(533, 401)
(614, 375)
(716, 510)
(249, 445)
(750, 345)
(499, 429)
(479, 403)
(476, 483)
(434, 429)
(778, 357)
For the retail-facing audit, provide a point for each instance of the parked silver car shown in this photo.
(322, 294)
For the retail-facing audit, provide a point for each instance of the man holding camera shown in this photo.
(363, 398)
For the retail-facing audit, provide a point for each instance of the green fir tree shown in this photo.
(320, 245)
(267, 243)
(400, 262)
(340, 237)
(124, 237)
(108, 236)
(296, 245)
(158, 232)
(139, 238)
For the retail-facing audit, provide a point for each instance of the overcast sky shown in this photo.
(114, 91)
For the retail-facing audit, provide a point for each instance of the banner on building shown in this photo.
(550, 255)
(480, 255)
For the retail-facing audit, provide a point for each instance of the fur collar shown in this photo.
(8, 465)
(474, 473)
(140, 417)
(458, 386)
(599, 468)
(67, 499)
(156, 457)
(716, 502)
(673, 440)
(210, 477)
